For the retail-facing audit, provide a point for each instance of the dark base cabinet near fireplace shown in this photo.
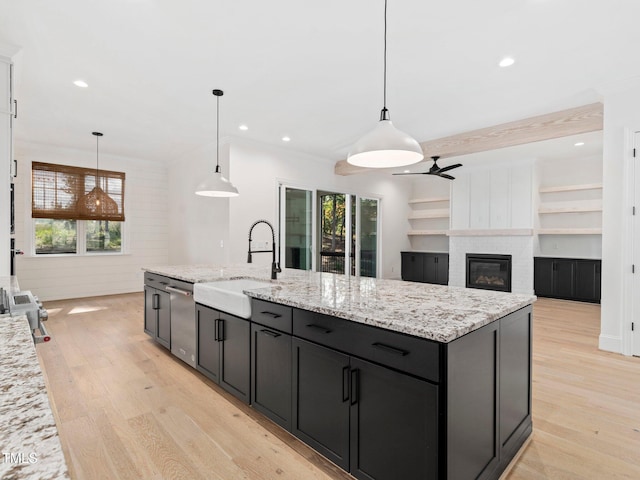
(425, 267)
(567, 278)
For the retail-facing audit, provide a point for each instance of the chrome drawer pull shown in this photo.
(388, 349)
(186, 293)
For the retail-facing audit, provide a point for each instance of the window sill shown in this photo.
(76, 255)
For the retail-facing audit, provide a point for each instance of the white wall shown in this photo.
(621, 119)
(198, 226)
(145, 230)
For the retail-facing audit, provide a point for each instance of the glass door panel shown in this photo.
(332, 232)
(368, 237)
(298, 229)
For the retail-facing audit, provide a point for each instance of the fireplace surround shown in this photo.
(488, 271)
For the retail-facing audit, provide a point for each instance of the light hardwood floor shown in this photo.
(127, 409)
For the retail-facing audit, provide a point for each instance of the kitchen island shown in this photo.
(29, 442)
(383, 377)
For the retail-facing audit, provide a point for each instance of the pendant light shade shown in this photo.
(385, 146)
(216, 185)
(97, 204)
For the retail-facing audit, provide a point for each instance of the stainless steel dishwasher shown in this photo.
(183, 321)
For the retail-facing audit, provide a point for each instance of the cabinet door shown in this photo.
(442, 269)
(321, 400)
(394, 424)
(588, 280)
(235, 367)
(208, 352)
(543, 276)
(412, 267)
(271, 374)
(514, 380)
(430, 266)
(563, 285)
(164, 319)
(151, 305)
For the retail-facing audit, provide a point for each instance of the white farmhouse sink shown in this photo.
(227, 295)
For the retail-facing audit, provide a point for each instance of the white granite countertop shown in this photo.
(435, 312)
(29, 442)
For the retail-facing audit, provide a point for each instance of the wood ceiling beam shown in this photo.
(588, 118)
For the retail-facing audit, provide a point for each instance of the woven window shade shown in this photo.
(58, 191)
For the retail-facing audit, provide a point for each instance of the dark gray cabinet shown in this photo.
(321, 400)
(567, 278)
(425, 267)
(223, 352)
(157, 310)
(356, 401)
(271, 373)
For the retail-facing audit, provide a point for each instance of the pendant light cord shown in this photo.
(384, 114)
(97, 160)
(384, 99)
(217, 134)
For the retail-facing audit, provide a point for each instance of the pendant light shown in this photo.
(97, 204)
(216, 185)
(385, 146)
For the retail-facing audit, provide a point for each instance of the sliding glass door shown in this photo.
(341, 228)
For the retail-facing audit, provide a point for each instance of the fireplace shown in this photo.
(489, 272)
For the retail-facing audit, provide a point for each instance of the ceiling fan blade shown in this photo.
(450, 167)
(448, 177)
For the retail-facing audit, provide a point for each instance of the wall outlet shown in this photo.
(221, 243)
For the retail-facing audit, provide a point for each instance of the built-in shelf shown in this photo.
(429, 200)
(435, 213)
(569, 207)
(428, 232)
(491, 232)
(569, 231)
(571, 188)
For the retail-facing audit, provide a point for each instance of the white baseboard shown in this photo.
(610, 343)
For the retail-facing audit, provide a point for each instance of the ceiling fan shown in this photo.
(435, 170)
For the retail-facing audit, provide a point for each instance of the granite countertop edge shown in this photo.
(434, 312)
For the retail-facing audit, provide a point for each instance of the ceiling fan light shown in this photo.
(384, 147)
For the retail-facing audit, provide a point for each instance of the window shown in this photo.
(71, 215)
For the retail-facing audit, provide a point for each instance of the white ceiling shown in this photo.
(309, 70)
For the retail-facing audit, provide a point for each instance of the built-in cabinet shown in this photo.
(223, 350)
(8, 113)
(157, 309)
(568, 278)
(426, 267)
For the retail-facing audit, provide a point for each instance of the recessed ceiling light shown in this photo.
(507, 62)
(579, 144)
(286, 139)
(407, 171)
(243, 127)
(81, 84)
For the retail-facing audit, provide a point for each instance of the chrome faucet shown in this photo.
(275, 266)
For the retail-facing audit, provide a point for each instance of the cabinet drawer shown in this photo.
(417, 356)
(156, 281)
(271, 315)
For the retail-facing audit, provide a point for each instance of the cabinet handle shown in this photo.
(15, 112)
(155, 302)
(389, 349)
(186, 293)
(215, 330)
(220, 330)
(270, 333)
(345, 383)
(319, 328)
(271, 314)
(355, 377)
